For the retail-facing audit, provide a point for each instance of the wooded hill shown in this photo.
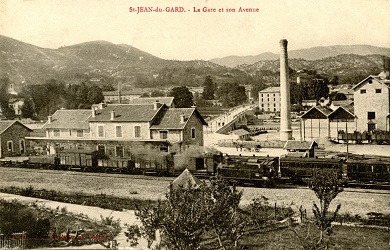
(104, 62)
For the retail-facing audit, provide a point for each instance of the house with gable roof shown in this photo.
(65, 123)
(117, 128)
(12, 138)
(372, 103)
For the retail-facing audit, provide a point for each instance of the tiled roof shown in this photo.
(270, 90)
(4, 125)
(300, 145)
(342, 113)
(150, 100)
(346, 91)
(342, 103)
(386, 82)
(123, 93)
(240, 132)
(69, 119)
(317, 112)
(126, 113)
(171, 118)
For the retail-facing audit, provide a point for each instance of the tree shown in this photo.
(226, 218)
(209, 88)
(4, 98)
(28, 110)
(231, 94)
(189, 212)
(326, 185)
(94, 95)
(157, 93)
(181, 219)
(182, 96)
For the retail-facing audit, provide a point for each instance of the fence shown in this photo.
(17, 241)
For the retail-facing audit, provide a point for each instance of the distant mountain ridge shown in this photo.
(314, 53)
(103, 61)
(25, 63)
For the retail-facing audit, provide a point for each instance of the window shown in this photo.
(274, 104)
(163, 134)
(119, 151)
(100, 131)
(118, 131)
(80, 133)
(57, 132)
(193, 133)
(274, 99)
(22, 146)
(261, 96)
(362, 91)
(378, 91)
(101, 148)
(10, 146)
(137, 131)
(370, 115)
(262, 105)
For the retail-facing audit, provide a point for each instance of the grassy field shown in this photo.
(343, 238)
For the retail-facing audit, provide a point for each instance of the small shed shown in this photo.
(306, 148)
(12, 138)
(240, 134)
(186, 180)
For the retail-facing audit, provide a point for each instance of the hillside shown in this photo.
(314, 53)
(28, 64)
(105, 62)
(349, 68)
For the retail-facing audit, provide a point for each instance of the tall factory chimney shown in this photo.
(119, 93)
(285, 116)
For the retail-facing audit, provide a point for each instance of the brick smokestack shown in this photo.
(285, 116)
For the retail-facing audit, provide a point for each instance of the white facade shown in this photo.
(372, 104)
(269, 99)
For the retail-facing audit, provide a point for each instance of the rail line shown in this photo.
(164, 178)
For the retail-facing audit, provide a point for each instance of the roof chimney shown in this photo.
(93, 112)
(49, 119)
(112, 115)
(182, 118)
(156, 105)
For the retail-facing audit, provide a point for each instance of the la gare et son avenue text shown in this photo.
(194, 9)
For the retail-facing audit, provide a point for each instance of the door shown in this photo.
(371, 127)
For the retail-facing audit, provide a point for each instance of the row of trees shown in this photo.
(194, 213)
(40, 100)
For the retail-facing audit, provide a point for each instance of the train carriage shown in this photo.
(76, 159)
(300, 170)
(43, 162)
(371, 170)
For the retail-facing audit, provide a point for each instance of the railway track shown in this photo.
(356, 189)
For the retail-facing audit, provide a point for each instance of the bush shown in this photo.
(17, 218)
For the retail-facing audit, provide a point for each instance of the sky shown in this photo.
(202, 35)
